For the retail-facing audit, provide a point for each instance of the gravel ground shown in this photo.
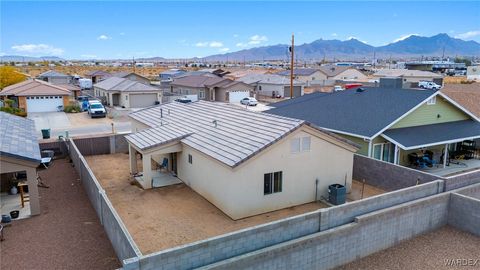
(170, 216)
(427, 251)
(67, 235)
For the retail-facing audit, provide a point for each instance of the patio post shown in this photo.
(33, 191)
(147, 170)
(395, 157)
(132, 154)
(445, 156)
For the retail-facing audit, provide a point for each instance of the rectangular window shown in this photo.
(384, 151)
(190, 159)
(305, 144)
(272, 182)
(201, 94)
(295, 145)
(432, 101)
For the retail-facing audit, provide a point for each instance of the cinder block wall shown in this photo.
(387, 176)
(462, 180)
(464, 212)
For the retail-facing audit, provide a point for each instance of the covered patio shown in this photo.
(441, 149)
(158, 148)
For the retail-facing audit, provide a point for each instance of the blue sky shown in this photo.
(122, 29)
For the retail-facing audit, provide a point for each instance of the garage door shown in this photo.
(142, 100)
(236, 96)
(44, 103)
(297, 91)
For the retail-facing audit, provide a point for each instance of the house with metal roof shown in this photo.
(168, 75)
(132, 76)
(410, 77)
(423, 129)
(37, 96)
(244, 162)
(20, 155)
(271, 85)
(323, 74)
(97, 75)
(211, 88)
(55, 77)
(116, 91)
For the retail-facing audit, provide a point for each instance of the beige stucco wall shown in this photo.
(239, 192)
(350, 74)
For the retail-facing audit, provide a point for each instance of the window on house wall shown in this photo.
(272, 182)
(300, 144)
(432, 101)
(190, 159)
(201, 94)
(260, 88)
(384, 151)
(126, 97)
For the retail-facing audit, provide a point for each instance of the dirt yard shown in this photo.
(360, 192)
(171, 216)
(432, 250)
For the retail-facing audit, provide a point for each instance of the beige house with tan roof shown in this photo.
(37, 96)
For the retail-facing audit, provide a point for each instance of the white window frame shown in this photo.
(432, 101)
(300, 144)
(201, 94)
(382, 149)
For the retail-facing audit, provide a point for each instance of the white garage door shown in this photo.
(142, 100)
(44, 103)
(236, 96)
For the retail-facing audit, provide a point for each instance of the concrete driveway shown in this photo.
(51, 120)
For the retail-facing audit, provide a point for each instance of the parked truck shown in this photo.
(85, 83)
(429, 85)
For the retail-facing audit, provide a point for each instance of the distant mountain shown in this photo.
(413, 46)
(20, 58)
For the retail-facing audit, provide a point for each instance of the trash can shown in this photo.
(337, 194)
(46, 133)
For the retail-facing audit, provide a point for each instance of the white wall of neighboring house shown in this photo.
(473, 73)
(350, 75)
(316, 76)
(239, 192)
(265, 89)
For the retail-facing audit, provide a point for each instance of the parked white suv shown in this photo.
(250, 101)
(429, 85)
(96, 109)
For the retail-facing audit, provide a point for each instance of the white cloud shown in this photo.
(403, 37)
(469, 34)
(334, 34)
(257, 39)
(224, 50)
(103, 37)
(241, 45)
(37, 49)
(212, 44)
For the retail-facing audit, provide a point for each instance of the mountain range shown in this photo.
(352, 49)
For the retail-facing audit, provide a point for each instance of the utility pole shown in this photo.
(133, 64)
(291, 66)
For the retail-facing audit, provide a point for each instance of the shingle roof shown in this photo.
(298, 72)
(467, 95)
(268, 79)
(124, 85)
(52, 73)
(34, 88)
(98, 73)
(361, 113)
(419, 136)
(198, 81)
(238, 135)
(332, 71)
(18, 138)
(405, 73)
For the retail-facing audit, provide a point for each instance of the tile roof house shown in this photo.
(55, 77)
(37, 96)
(244, 162)
(411, 77)
(467, 95)
(211, 88)
(20, 152)
(272, 85)
(97, 75)
(389, 123)
(116, 91)
(131, 76)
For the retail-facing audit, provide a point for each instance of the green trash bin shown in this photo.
(46, 133)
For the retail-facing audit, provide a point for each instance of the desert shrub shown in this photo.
(71, 108)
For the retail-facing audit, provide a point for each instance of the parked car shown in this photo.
(96, 109)
(250, 101)
(337, 88)
(429, 85)
(83, 102)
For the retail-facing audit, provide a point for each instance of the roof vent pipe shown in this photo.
(215, 122)
(161, 113)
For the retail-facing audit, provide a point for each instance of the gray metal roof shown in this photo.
(52, 73)
(419, 136)
(298, 72)
(18, 138)
(361, 113)
(124, 85)
(153, 137)
(238, 135)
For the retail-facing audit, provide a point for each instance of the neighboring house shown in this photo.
(467, 95)
(473, 73)
(211, 88)
(216, 71)
(410, 77)
(245, 163)
(342, 73)
(389, 123)
(169, 75)
(235, 75)
(272, 85)
(20, 153)
(123, 92)
(55, 77)
(74, 89)
(306, 75)
(37, 96)
(97, 75)
(132, 77)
